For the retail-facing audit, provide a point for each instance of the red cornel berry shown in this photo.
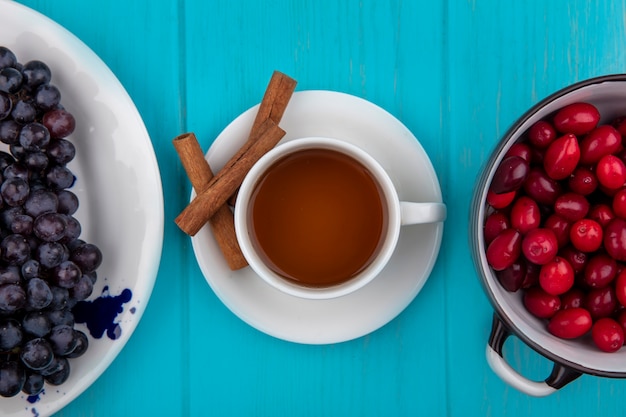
(601, 213)
(540, 303)
(571, 206)
(504, 249)
(601, 141)
(556, 276)
(600, 302)
(541, 188)
(611, 172)
(583, 181)
(510, 175)
(570, 323)
(495, 223)
(562, 156)
(556, 225)
(619, 203)
(540, 246)
(600, 271)
(522, 150)
(525, 214)
(560, 227)
(607, 334)
(541, 134)
(577, 118)
(620, 287)
(615, 239)
(500, 201)
(586, 235)
(512, 278)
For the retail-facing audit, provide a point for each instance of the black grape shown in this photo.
(45, 266)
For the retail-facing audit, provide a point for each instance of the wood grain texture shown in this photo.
(133, 39)
(457, 74)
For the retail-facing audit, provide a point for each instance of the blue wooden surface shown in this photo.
(457, 73)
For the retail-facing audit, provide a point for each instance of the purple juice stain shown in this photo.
(99, 315)
(34, 411)
(34, 398)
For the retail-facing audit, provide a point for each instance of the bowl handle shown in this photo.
(561, 375)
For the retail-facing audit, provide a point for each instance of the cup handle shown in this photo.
(420, 213)
(560, 376)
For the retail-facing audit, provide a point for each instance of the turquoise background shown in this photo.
(457, 74)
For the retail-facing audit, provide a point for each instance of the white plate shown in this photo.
(342, 116)
(118, 184)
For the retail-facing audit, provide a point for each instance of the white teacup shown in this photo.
(395, 214)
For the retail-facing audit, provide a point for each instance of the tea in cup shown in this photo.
(319, 218)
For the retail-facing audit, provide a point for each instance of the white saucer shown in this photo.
(338, 115)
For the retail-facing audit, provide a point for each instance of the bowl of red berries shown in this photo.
(548, 235)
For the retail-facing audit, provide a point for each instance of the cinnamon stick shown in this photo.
(275, 99)
(229, 178)
(222, 223)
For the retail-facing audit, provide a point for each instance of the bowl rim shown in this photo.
(476, 224)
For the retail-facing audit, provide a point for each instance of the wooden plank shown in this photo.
(140, 45)
(376, 51)
(504, 58)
